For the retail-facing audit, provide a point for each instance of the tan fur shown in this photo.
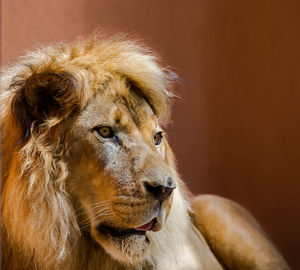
(61, 180)
(234, 235)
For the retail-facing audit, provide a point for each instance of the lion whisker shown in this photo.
(93, 205)
(105, 212)
(98, 211)
(88, 222)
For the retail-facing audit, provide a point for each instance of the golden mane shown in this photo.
(39, 224)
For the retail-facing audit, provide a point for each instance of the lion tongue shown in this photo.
(145, 227)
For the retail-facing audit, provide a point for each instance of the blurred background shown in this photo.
(236, 128)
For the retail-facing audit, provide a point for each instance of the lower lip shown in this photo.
(115, 232)
(145, 227)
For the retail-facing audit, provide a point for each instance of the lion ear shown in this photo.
(44, 95)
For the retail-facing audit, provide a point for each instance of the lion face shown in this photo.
(119, 176)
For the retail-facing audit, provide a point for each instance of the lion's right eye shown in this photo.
(158, 138)
(105, 131)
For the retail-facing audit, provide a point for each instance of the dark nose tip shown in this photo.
(161, 192)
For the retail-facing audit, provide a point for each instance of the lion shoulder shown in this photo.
(233, 234)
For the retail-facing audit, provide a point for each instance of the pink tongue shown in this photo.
(145, 227)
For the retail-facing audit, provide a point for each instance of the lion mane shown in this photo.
(40, 225)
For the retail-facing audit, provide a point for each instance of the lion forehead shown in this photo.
(118, 105)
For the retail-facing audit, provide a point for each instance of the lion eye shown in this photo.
(105, 131)
(157, 138)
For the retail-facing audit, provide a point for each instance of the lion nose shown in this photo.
(160, 191)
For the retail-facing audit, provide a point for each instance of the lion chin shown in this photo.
(88, 178)
(128, 245)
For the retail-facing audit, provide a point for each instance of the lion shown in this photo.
(89, 180)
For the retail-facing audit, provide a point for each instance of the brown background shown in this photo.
(236, 128)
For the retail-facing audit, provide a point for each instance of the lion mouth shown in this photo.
(122, 233)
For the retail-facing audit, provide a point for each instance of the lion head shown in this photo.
(88, 176)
